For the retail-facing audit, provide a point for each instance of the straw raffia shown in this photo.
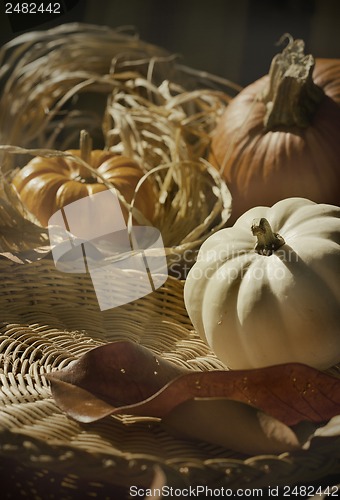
(55, 82)
(150, 108)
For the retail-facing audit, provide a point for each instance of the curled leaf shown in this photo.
(232, 424)
(110, 377)
(123, 377)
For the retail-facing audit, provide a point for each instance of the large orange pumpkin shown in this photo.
(47, 184)
(279, 137)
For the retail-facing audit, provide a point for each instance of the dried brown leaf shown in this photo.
(110, 377)
(123, 377)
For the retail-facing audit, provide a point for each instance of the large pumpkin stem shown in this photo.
(292, 97)
(267, 241)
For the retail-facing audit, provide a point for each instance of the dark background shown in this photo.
(235, 39)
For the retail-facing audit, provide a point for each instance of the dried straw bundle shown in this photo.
(43, 74)
(164, 123)
(55, 82)
(135, 99)
(19, 231)
(193, 201)
(166, 128)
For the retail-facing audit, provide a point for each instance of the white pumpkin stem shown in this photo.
(292, 97)
(267, 241)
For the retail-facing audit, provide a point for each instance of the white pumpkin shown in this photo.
(259, 298)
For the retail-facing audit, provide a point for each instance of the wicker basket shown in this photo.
(48, 319)
(150, 108)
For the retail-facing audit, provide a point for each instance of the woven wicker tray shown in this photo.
(49, 318)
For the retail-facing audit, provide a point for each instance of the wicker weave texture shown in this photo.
(50, 318)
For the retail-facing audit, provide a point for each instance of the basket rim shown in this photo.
(286, 469)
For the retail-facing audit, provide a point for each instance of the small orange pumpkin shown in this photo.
(45, 185)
